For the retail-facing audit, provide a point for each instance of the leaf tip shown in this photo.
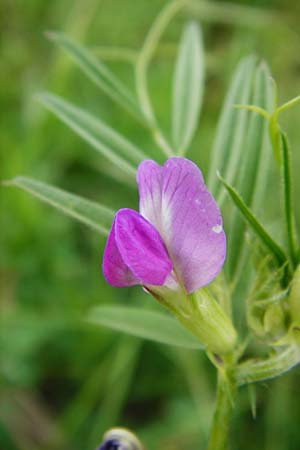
(219, 174)
(12, 181)
(7, 182)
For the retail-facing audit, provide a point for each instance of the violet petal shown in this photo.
(115, 271)
(141, 248)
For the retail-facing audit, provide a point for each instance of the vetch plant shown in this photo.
(175, 246)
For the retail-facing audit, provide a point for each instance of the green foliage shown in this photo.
(63, 380)
(188, 86)
(259, 230)
(241, 152)
(92, 214)
(289, 210)
(97, 72)
(144, 324)
(103, 138)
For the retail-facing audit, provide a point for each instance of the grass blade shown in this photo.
(96, 216)
(188, 86)
(259, 230)
(97, 72)
(144, 324)
(99, 135)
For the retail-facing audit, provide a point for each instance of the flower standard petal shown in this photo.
(141, 248)
(187, 218)
(192, 224)
(149, 180)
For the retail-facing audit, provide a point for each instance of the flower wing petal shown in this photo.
(141, 248)
(115, 271)
(192, 224)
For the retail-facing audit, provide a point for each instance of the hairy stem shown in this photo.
(219, 433)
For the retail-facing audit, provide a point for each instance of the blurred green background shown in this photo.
(64, 382)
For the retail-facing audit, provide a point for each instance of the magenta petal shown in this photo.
(187, 217)
(141, 248)
(115, 271)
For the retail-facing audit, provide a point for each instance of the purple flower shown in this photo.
(176, 240)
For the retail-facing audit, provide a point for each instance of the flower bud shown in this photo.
(120, 439)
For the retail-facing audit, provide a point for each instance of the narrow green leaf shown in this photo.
(94, 215)
(254, 152)
(264, 154)
(231, 129)
(259, 230)
(188, 86)
(99, 135)
(144, 324)
(98, 72)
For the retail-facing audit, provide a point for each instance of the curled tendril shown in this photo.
(120, 439)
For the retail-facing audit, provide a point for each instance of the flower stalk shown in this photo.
(226, 391)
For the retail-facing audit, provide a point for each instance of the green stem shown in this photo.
(288, 203)
(219, 432)
(251, 219)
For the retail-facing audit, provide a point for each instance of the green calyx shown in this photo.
(210, 323)
(202, 315)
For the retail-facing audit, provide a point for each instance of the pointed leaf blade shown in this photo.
(188, 86)
(94, 215)
(145, 324)
(97, 72)
(231, 128)
(253, 168)
(94, 131)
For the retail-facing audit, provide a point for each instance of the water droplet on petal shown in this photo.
(217, 228)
